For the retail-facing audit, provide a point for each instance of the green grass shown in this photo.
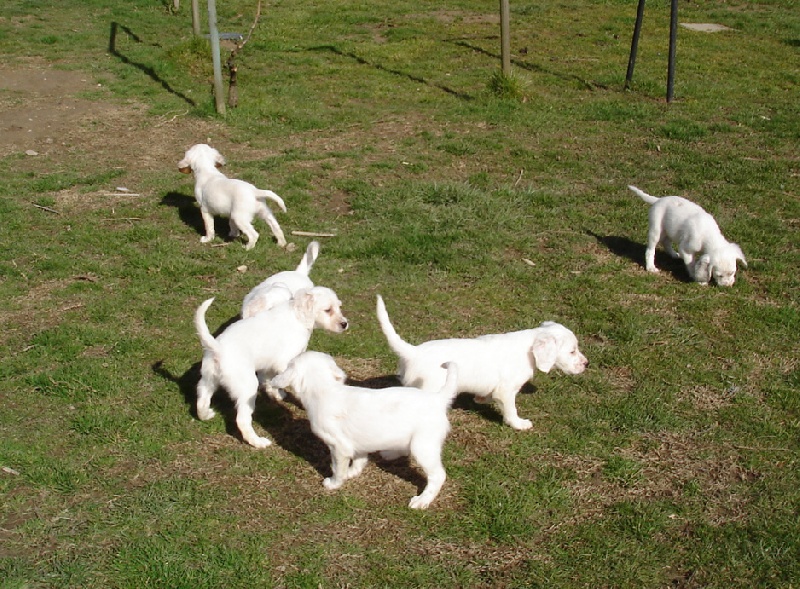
(473, 203)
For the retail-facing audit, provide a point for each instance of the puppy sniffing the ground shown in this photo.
(221, 196)
(701, 246)
(355, 421)
(273, 290)
(492, 367)
(253, 350)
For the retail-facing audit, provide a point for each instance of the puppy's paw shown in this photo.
(259, 443)
(653, 269)
(331, 484)
(205, 414)
(275, 394)
(522, 424)
(418, 502)
(206, 238)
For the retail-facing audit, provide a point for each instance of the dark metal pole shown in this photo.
(673, 41)
(637, 29)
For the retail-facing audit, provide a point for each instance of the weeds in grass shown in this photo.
(670, 462)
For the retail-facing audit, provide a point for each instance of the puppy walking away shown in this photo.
(221, 196)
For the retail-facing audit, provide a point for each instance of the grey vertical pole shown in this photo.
(505, 37)
(637, 30)
(673, 41)
(219, 100)
(196, 17)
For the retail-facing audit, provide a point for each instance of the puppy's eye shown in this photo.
(329, 310)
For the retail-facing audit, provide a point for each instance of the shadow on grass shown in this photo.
(189, 213)
(382, 68)
(283, 427)
(188, 210)
(634, 251)
(149, 71)
(531, 67)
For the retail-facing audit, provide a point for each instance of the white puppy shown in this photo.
(354, 421)
(273, 290)
(236, 199)
(492, 367)
(674, 219)
(253, 350)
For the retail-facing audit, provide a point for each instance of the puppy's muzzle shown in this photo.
(343, 324)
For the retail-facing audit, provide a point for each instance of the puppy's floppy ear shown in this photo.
(702, 269)
(219, 161)
(544, 351)
(339, 375)
(283, 380)
(739, 253)
(304, 301)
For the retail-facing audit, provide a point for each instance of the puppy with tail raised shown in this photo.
(704, 251)
(492, 367)
(274, 289)
(253, 350)
(355, 421)
(221, 196)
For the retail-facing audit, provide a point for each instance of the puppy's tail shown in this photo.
(206, 339)
(312, 251)
(401, 348)
(450, 388)
(268, 194)
(643, 195)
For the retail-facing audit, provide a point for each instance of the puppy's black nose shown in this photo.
(343, 324)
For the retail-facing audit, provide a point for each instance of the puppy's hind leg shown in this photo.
(356, 467)
(428, 457)
(666, 243)
(266, 215)
(208, 223)
(245, 398)
(205, 390)
(653, 237)
(247, 228)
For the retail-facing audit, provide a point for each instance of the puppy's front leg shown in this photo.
(506, 400)
(339, 465)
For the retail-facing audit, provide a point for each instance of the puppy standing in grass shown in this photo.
(674, 219)
(281, 287)
(355, 421)
(492, 367)
(219, 195)
(253, 350)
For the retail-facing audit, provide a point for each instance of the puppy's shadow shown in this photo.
(189, 213)
(187, 384)
(634, 251)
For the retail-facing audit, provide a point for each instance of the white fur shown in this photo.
(221, 196)
(492, 367)
(253, 350)
(674, 219)
(273, 290)
(355, 421)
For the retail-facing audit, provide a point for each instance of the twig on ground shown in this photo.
(312, 234)
(48, 209)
